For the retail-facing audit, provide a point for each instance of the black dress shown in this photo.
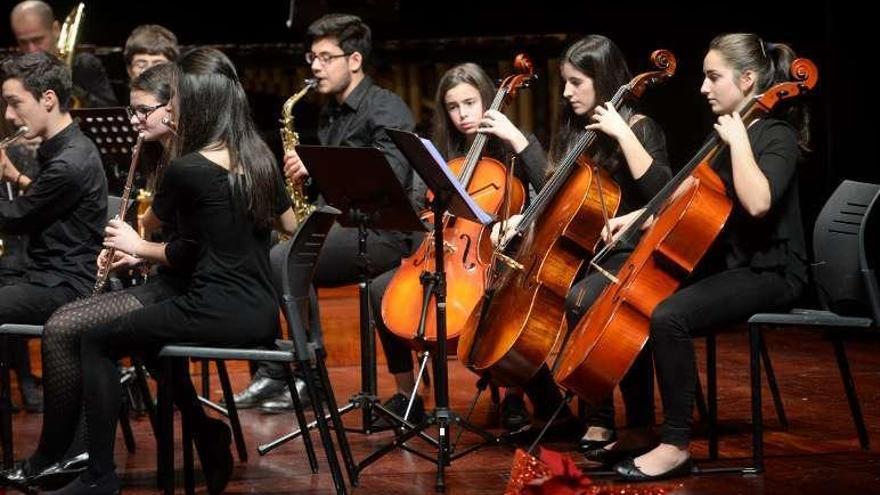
(230, 299)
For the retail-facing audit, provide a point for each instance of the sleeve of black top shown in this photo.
(170, 192)
(533, 160)
(55, 192)
(651, 135)
(91, 77)
(392, 113)
(776, 152)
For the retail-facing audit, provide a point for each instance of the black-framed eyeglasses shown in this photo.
(324, 58)
(142, 112)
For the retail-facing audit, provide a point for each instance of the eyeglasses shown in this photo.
(142, 112)
(324, 58)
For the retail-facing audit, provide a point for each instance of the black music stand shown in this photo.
(111, 130)
(449, 196)
(374, 201)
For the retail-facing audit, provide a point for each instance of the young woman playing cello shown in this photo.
(761, 251)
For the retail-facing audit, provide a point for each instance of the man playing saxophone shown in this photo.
(357, 114)
(64, 209)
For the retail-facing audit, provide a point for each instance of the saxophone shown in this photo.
(289, 139)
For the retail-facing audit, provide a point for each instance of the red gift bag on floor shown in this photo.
(552, 473)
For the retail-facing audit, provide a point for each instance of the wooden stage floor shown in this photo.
(819, 453)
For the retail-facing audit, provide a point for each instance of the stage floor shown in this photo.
(819, 454)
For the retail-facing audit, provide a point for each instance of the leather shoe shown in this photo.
(260, 389)
(283, 402)
(629, 472)
(614, 455)
(63, 471)
(585, 445)
(85, 485)
(513, 413)
(21, 473)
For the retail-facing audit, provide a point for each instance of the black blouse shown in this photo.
(776, 240)
(231, 284)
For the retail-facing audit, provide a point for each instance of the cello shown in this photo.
(611, 335)
(468, 244)
(522, 314)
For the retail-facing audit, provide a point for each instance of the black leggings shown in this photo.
(728, 297)
(62, 363)
(637, 385)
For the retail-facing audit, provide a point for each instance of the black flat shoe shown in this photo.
(629, 472)
(585, 446)
(614, 455)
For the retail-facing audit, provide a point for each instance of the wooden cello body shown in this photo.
(519, 322)
(608, 339)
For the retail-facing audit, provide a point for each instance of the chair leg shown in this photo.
(140, 381)
(700, 398)
(774, 388)
(165, 424)
(206, 379)
(125, 426)
(5, 404)
(755, 339)
(299, 412)
(189, 479)
(232, 409)
(323, 427)
(852, 397)
(341, 437)
(712, 394)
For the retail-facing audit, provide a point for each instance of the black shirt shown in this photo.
(776, 240)
(64, 212)
(90, 82)
(361, 121)
(231, 288)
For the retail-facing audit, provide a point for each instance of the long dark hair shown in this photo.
(603, 62)
(213, 110)
(772, 64)
(451, 142)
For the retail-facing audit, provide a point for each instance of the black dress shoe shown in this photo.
(629, 472)
(616, 454)
(260, 389)
(283, 402)
(21, 473)
(214, 446)
(585, 445)
(514, 415)
(85, 485)
(398, 404)
(63, 471)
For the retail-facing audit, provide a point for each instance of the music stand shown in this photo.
(374, 201)
(111, 130)
(449, 195)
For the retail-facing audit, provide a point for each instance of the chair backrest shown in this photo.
(301, 259)
(837, 271)
(869, 251)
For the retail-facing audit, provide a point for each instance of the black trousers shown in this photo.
(339, 265)
(28, 304)
(725, 298)
(637, 386)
